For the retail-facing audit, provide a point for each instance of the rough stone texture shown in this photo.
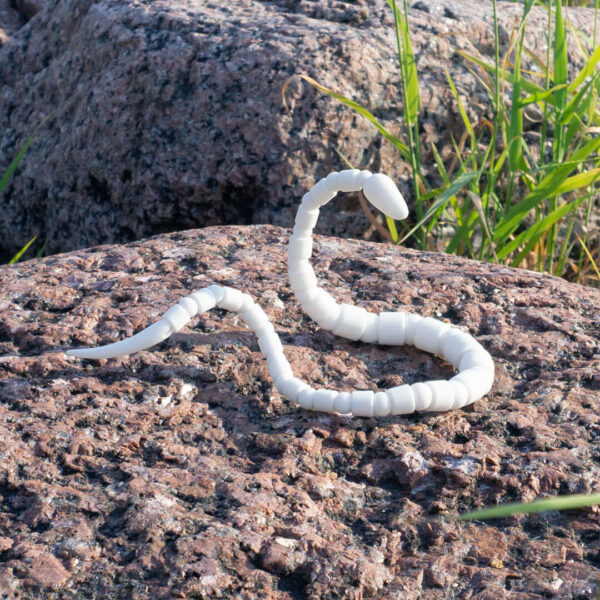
(180, 473)
(169, 112)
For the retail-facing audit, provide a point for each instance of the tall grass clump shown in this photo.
(522, 201)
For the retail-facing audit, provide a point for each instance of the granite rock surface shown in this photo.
(167, 114)
(180, 472)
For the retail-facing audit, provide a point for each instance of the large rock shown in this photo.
(180, 473)
(168, 114)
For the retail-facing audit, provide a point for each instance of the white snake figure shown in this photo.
(475, 365)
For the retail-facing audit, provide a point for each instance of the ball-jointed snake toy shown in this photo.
(475, 365)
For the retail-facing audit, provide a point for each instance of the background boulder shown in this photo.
(180, 472)
(168, 114)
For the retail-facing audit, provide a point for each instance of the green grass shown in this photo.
(505, 197)
(542, 505)
(6, 179)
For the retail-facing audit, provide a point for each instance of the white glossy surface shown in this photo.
(381, 404)
(429, 334)
(323, 400)
(391, 328)
(204, 300)
(402, 400)
(475, 365)
(362, 403)
(300, 246)
(382, 193)
(231, 300)
(371, 331)
(423, 395)
(352, 322)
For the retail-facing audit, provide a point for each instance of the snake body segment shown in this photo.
(475, 365)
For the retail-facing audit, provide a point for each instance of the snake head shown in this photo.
(383, 194)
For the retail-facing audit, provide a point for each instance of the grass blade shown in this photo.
(7, 176)
(546, 189)
(463, 235)
(561, 75)
(515, 125)
(578, 181)
(578, 104)
(526, 85)
(586, 71)
(533, 234)
(478, 204)
(461, 108)
(361, 111)
(406, 58)
(542, 96)
(460, 182)
(22, 251)
(590, 257)
(545, 504)
(565, 250)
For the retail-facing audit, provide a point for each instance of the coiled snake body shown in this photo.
(475, 365)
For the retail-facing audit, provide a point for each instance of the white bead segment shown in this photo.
(402, 400)
(461, 393)
(302, 277)
(371, 331)
(231, 300)
(428, 334)
(442, 395)
(324, 310)
(204, 300)
(297, 264)
(362, 403)
(176, 317)
(474, 363)
(342, 403)
(279, 367)
(332, 181)
(423, 395)
(217, 291)
(140, 341)
(254, 317)
(391, 328)
(301, 231)
(410, 328)
(477, 381)
(362, 177)
(306, 219)
(352, 322)
(291, 388)
(475, 357)
(307, 296)
(270, 344)
(323, 400)
(345, 181)
(318, 195)
(264, 329)
(305, 398)
(300, 246)
(190, 307)
(382, 405)
(454, 343)
(247, 303)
